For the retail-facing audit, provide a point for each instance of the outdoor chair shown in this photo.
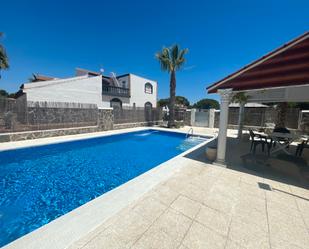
(282, 140)
(300, 147)
(257, 139)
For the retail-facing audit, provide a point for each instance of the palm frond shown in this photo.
(172, 58)
(164, 58)
(174, 53)
(4, 63)
(181, 58)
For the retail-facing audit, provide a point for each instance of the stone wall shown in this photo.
(21, 119)
(50, 117)
(22, 115)
(27, 135)
(138, 124)
(105, 119)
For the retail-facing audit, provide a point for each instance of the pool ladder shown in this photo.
(188, 133)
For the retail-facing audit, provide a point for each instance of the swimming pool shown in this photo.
(39, 184)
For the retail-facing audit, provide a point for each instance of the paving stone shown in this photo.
(194, 192)
(107, 239)
(186, 206)
(174, 223)
(154, 239)
(248, 235)
(164, 194)
(149, 208)
(288, 228)
(200, 237)
(280, 244)
(214, 219)
(130, 227)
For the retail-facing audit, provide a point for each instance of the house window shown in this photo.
(123, 84)
(148, 88)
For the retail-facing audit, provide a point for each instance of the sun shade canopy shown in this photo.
(288, 65)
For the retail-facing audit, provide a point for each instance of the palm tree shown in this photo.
(4, 63)
(242, 99)
(282, 112)
(171, 60)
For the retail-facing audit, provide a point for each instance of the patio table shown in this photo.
(278, 137)
(262, 135)
(304, 137)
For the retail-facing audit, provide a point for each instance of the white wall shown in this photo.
(138, 95)
(85, 89)
(81, 89)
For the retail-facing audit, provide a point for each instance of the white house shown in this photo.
(94, 88)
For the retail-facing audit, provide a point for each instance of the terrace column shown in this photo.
(193, 111)
(241, 119)
(225, 95)
(211, 120)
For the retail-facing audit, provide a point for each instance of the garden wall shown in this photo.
(21, 119)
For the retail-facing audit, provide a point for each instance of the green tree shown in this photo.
(171, 60)
(163, 102)
(4, 62)
(207, 104)
(300, 105)
(3, 93)
(179, 100)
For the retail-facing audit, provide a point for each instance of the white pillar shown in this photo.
(225, 95)
(211, 120)
(241, 119)
(193, 117)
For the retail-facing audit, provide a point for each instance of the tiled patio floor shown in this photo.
(206, 206)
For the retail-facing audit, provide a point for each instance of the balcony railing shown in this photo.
(116, 91)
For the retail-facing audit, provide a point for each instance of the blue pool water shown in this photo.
(39, 184)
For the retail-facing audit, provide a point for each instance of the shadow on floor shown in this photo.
(236, 149)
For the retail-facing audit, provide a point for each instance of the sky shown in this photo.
(55, 37)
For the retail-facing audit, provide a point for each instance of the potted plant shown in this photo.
(211, 151)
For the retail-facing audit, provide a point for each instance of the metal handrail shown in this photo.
(116, 91)
(188, 133)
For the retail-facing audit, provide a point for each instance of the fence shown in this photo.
(192, 117)
(137, 115)
(260, 117)
(201, 118)
(22, 115)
